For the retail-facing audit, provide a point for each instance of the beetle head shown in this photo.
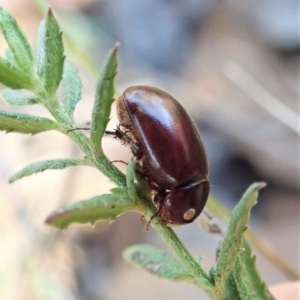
(183, 205)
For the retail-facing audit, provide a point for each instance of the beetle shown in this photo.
(165, 139)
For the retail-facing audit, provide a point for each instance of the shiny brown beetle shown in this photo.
(165, 139)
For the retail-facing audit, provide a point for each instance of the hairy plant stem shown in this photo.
(201, 278)
(95, 156)
(172, 240)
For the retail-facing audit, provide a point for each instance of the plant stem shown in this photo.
(95, 156)
(201, 278)
(171, 238)
(98, 159)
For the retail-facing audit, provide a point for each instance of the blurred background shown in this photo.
(233, 64)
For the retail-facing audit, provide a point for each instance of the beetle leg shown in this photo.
(153, 216)
(158, 211)
(110, 133)
(159, 196)
(158, 201)
(123, 136)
